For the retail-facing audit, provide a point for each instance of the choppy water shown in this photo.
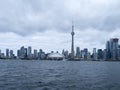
(59, 75)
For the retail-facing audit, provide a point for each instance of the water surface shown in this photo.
(59, 75)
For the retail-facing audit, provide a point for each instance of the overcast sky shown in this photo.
(47, 24)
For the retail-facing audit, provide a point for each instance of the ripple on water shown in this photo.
(40, 75)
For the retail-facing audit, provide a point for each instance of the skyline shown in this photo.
(110, 53)
(37, 22)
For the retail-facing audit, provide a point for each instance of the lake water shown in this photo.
(59, 75)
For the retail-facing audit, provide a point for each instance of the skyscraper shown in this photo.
(94, 54)
(118, 52)
(72, 46)
(35, 54)
(77, 52)
(113, 48)
(23, 52)
(85, 53)
(7, 53)
(0, 53)
(29, 53)
(100, 54)
(108, 50)
(12, 56)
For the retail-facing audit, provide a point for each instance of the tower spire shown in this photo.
(72, 46)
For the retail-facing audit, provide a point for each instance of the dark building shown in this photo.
(77, 52)
(112, 49)
(11, 54)
(22, 53)
(100, 54)
(108, 50)
(7, 53)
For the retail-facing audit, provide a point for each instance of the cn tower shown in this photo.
(72, 46)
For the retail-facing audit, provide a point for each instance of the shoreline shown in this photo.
(61, 60)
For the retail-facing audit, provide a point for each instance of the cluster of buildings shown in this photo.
(110, 53)
(28, 54)
(9, 54)
(112, 49)
(23, 53)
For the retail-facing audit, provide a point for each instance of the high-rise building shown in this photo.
(11, 54)
(85, 53)
(23, 52)
(94, 54)
(105, 54)
(66, 54)
(40, 54)
(100, 54)
(88, 56)
(18, 53)
(77, 52)
(43, 55)
(63, 51)
(0, 53)
(35, 54)
(114, 48)
(118, 52)
(7, 53)
(29, 52)
(82, 55)
(72, 46)
(108, 50)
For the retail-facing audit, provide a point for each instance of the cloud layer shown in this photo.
(26, 18)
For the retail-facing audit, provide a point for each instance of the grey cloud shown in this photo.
(25, 17)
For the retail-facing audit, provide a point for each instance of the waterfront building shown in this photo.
(18, 54)
(78, 52)
(0, 53)
(63, 51)
(29, 52)
(11, 54)
(43, 56)
(99, 54)
(88, 56)
(118, 52)
(94, 54)
(3, 56)
(66, 54)
(7, 53)
(108, 50)
(85, 53)
(35, 54)
(23, 52)
(105, 54)
(82, 54)
(40, 50)
(114, 48)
